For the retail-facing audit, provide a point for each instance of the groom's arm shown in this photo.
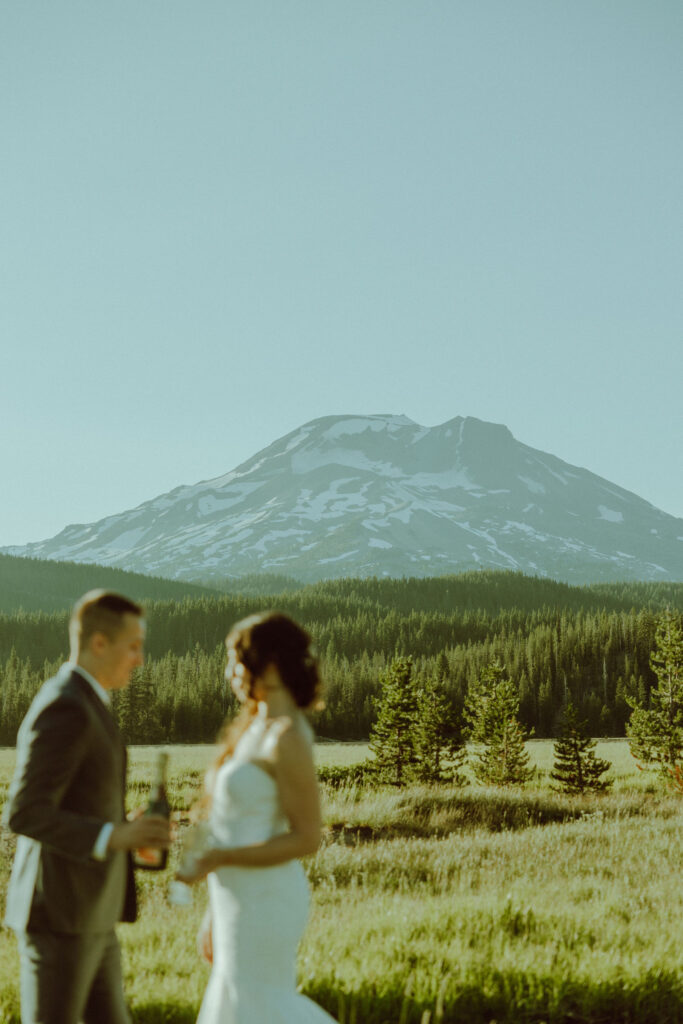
(50, 750)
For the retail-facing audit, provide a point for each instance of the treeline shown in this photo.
(422, 616)
(169, 700)
(588, 644)
(38, 584)
(597, 660)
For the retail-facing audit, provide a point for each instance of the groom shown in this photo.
(72, 877)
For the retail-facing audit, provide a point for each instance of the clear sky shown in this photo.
(221, 219)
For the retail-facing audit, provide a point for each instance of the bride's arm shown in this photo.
(295, 776)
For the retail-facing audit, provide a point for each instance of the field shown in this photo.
(444, 904)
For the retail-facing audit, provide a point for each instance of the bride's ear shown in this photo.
(269, 680)
(258, 689)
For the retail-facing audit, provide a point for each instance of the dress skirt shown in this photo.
(258, 917)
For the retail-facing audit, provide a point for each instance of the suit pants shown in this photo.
(66, 979)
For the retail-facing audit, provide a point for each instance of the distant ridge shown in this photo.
(38, 585)
(380, 495)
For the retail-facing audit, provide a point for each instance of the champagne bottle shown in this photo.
(151, 859)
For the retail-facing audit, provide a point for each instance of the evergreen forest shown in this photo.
(558, 643)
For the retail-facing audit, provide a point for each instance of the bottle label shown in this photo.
(148, 856)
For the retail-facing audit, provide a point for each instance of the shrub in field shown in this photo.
(576, 768)
(677, 778)
(491, 711)
(656, 732)
(336, 776)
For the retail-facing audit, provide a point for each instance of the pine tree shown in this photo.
(439, 743)
(126, 708)
(443, 670)
(576, 767)
(491, 712)
(392, 739)
(656, 732)
(147, 727)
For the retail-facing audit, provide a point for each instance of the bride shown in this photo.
(264, 815)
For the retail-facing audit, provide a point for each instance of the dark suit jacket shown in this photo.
(69, 781)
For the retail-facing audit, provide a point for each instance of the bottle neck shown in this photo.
(159, 779)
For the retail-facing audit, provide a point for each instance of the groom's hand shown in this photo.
(144, 831)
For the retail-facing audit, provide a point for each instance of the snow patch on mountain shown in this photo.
(610, 515)
(305, 462)
(338, 558)
(271, 538)
(533, 485)
(446, 480)
(359, 424)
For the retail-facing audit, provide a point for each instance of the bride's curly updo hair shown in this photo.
(271, 638)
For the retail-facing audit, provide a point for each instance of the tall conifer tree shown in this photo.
(439, 741)
(576, 768)
(491, 712)
(392, 738)
(656, 733)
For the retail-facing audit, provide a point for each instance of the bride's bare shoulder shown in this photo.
(293, 731)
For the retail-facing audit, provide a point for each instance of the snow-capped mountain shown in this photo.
(381, 495)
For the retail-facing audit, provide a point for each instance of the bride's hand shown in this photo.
(201, 867)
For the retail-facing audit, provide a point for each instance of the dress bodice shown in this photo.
(245, 804)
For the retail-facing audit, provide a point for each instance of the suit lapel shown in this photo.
(106, 717)
(100, 707)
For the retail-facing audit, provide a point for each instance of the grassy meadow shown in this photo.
(439, 904)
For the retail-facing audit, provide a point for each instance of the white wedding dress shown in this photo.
(258, 914)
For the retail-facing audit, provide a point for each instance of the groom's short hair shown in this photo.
(99, 611)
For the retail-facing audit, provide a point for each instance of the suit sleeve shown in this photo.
(48, 757)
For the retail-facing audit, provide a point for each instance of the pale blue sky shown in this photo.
(219, 220)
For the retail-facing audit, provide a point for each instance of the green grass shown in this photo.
(461, 905)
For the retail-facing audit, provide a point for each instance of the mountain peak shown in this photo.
(355, 423)
(382, 495)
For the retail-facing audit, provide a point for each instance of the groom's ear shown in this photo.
(98, 643)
